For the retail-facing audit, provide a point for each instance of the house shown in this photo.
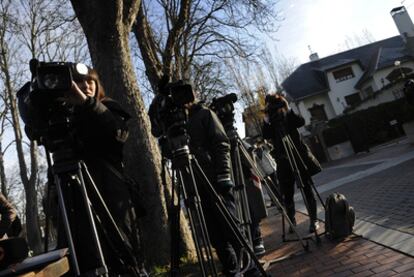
(325, 88)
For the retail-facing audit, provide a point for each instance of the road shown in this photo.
(380, 187)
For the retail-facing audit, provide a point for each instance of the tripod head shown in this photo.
(169, 116)
(224, 108)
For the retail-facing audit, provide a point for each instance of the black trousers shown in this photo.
(286, 180)
(220, 234)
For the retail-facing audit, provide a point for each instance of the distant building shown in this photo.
(356, 79)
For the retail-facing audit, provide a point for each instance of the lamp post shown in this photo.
(398, 64)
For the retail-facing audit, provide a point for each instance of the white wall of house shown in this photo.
(344, 88)
(380, 97)
(321, 99)
(334, 100)
(383, 73)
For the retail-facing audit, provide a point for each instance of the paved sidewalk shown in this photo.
(380, 186)
(355, 256)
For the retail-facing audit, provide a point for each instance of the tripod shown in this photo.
(185, 168)
(242, 204)
(299, 170)
(71, 178)
(268, 184)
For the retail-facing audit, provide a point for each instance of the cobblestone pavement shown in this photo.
(332, 174)
(384, 198)
(355, 256)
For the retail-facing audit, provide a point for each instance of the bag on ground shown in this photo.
(339, 216)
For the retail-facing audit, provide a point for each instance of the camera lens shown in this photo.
(50, 81)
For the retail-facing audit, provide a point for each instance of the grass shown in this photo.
(186, 269)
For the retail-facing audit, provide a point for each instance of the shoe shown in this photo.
(253, 272)
(314, 226)
(291, 231)
(259, 248)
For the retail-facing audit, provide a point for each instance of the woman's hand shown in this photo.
(75, 96)
(286, 103)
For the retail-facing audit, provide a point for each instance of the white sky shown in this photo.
(325, 24)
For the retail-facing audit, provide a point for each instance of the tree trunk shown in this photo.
(107, 28)
(3, 179)
(142, 155)
(32, 223)
(147, 45)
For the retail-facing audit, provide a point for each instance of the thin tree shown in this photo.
(3, 127)
(28, 176)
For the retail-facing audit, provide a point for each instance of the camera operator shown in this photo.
(100, 131)
(209, 144)
(280, 120)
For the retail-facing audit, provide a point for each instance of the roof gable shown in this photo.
(310, 78)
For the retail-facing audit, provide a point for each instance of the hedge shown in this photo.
(370, 126)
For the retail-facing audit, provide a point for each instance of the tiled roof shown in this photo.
(310, 78)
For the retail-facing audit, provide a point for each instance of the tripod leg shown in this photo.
(317, 193)
(292, 153)
(66, 225)
(310, 177)
(117, 236)
(242, 203)
(229, 220)
(273, 197)
(197, 220)
(174, 215)
(81, 182)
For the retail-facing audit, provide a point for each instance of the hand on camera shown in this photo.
(286, 103)
(75, 96)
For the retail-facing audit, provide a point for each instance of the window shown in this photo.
(368, 91)
(343, 74)
(398, 93)
(318, 113)
(353, 99)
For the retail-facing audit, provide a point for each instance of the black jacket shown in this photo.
(274, 131)
(99, 126)
(209, 142)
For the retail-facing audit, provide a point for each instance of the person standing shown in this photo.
(279, 121)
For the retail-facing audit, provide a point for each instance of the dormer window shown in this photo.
(343, 74)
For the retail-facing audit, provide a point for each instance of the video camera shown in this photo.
(54, 78)
(46, 116)
(169, 117)
(224, 108)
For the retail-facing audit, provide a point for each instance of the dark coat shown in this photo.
(209, 143)
(99, 127)
(274, 131)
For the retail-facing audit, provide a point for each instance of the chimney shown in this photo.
(403, 22)
(314, 57)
